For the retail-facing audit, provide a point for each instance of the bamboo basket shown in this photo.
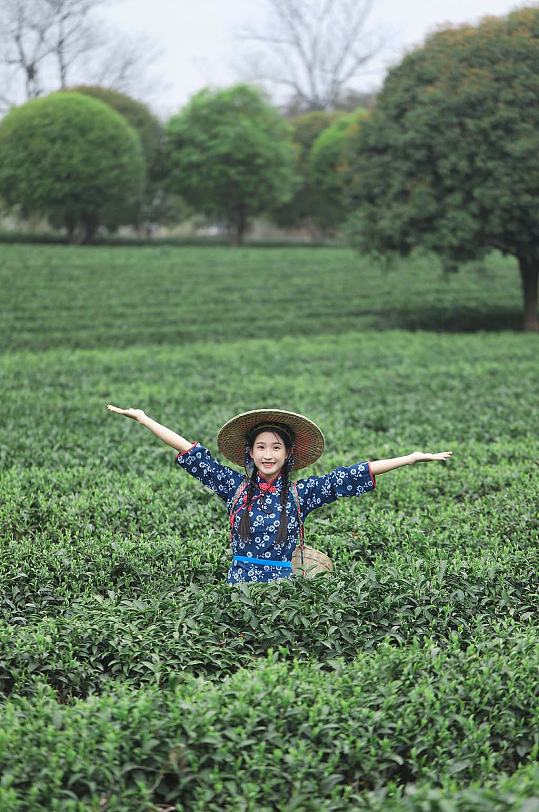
(313, 562)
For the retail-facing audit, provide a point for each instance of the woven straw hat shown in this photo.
(308, 447)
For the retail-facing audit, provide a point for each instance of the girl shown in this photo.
(266, 508)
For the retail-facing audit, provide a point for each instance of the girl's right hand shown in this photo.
(134, 414)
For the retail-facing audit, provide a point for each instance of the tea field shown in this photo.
(132, 677)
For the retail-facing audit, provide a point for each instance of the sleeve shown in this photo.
(200, 463)
(316, 491)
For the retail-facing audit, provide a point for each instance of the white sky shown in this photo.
(199, 46)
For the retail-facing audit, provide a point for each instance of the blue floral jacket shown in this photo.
(262, 558)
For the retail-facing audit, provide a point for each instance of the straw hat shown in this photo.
(308, 446)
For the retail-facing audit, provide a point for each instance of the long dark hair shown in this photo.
(287, 436)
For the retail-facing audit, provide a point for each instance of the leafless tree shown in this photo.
(314, 48)
(73, 32)
(24, 36)
(124, 64)
(46, 44)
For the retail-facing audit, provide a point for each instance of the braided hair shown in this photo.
(287, 436)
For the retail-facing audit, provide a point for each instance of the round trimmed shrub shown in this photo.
(136, 113)
(74, 159)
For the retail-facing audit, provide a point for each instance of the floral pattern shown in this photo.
(265, 512)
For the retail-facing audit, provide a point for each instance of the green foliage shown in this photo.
(156, 206)
(121, 286)
(327, 163)
(308, 127)
(449, 158)
(131, 675)
(321, 738)
(137, 114)
(230, 155)
(72, 158)
(297, 212)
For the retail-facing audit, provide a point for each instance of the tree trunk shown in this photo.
(71, 229)
(239, 224)
(90, 223)
(529, 271)
(315, 232)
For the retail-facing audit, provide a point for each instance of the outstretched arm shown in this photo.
(166, 435)
(382, 466)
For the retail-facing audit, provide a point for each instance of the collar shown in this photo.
(267, 486)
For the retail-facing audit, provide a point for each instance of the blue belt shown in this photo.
(250, 560)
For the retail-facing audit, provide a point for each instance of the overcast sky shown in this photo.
(199, 45)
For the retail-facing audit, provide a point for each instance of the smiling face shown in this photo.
(268, 454)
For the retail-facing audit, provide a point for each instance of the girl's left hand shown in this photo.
(419, 456)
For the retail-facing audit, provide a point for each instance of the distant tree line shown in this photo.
(447, 159)
(89, 157)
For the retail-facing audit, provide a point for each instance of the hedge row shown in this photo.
(113, 240)
(134, 297)
(213, 631)
(319, 739)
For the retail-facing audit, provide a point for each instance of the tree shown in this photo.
(449, 159)
(38, 34)
(346, 102)
(72, 32)
(71, 158)
(327, 170)
(298, 211)
(124, 63)
(137, 114)
(45, 41)
(230, 155)
(155, 204)
(314, 49)
(24, 30)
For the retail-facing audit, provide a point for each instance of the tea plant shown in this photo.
(132, 676)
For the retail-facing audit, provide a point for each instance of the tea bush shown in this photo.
(131, 675)
(56, 296)
(276, 731)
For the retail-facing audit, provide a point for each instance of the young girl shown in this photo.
(266, 509)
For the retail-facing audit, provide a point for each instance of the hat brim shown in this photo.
(308, 446)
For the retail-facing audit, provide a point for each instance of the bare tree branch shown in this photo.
(46, 45)
(73, 32)
(124, 63)
(23, 32)
(322, 44)
(253, 66)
